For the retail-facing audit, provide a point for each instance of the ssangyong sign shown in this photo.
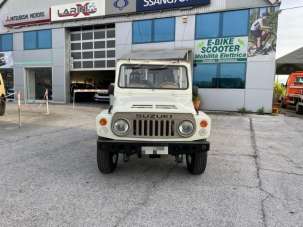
(80, 10)
(155, 5)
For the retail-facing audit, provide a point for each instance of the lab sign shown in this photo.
(231, 49)
(154, 5)
(80, 10)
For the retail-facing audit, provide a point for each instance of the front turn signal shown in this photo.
(103, 122)
(203, 124)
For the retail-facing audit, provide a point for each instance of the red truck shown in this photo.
(294, 92)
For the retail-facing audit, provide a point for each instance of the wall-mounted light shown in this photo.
(184, 19)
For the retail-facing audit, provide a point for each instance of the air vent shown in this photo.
(142, 106)
(166, 107)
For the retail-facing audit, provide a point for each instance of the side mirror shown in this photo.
(111, 89)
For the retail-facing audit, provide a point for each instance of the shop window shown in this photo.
(225, 76)
(157, 30)
(6, 42)
(205, 75)
(207, 26)
(235, 23)
(37, 40)
(232, 75)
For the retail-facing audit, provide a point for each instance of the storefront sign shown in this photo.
(79, 10)
(6, 60)
(232, 49)
(120, 6)
(27, 19)
(154, 5)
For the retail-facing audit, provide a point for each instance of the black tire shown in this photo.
(2, 106)
(107, 161)
(196, 162)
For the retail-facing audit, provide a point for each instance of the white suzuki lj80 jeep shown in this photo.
(152, 113)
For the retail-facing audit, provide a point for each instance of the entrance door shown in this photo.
(38, 80)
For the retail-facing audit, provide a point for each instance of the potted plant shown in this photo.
(196, 98)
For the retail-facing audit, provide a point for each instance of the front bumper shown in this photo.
(133, 147)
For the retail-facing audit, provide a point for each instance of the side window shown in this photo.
(208, 26)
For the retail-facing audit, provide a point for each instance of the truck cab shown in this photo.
(294, 92)
(2, 97)
(152, 113)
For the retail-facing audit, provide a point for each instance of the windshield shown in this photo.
(153, 77)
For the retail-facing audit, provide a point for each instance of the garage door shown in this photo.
(93, 48)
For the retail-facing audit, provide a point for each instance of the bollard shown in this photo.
(47, 106)
(19, 108)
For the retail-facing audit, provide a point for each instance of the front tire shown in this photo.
(2, 106)
(196, 162)
(107, 161)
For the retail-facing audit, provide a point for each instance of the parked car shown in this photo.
(294, 92)
(2, 59)
(82, 97)
(10, 93)
(152, 114)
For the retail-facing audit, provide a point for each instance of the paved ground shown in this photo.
(48, 175)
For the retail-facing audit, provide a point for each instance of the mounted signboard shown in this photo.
(155, 5)
(120, 6)
(79, 10)
(27, 19)
(232, 49)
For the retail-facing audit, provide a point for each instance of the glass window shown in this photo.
(44, 39)
(232, 75)
(6, 42)
(153, 77)
(37, 40)
(30, 40)
(142, 31)
(235, 23)
(208, 26)
(164, 30)
(205, 75)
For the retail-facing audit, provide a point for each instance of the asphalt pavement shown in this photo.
(49, 175)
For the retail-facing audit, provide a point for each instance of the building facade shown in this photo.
(59, 43)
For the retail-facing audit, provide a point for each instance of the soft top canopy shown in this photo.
(180, 54)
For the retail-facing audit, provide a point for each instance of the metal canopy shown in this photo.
(180, 54)
(290, 62)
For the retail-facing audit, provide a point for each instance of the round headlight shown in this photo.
(186, 128)
(120, 127)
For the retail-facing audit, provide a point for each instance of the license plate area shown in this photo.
(156, 150)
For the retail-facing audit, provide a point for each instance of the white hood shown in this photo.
(154, 103)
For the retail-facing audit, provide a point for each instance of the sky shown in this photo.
(290, 27)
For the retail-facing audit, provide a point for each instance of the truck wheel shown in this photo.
(2, 107)
(196, 162)
(107, 161)
(299, 109)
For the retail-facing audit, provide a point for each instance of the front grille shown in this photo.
(151, 128)
(153, 125)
